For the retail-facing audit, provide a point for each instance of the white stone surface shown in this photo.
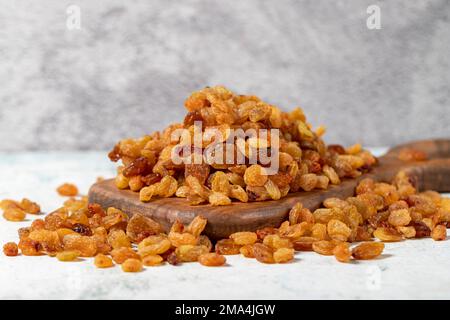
(411, 269)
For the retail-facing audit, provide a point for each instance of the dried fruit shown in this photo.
(337, 230)
(196, 226)
(190, 253)
(67, 190)
(244, 238)
(399, 217)
(324, 247)
(255, 176)
(118, 238)
(212, 259)
(85, 245)
(103, 261)
(10, 249)
(123, 253)
(342, 252)
(70, 255)
(82, 229)
(178, 239)
(263, 253)
(140, 227)
(154, 245)
(227, 247)
(283, 255)
(387, 234)
(368, 250)
(439, 233)
(29, 206)
(219, 199)
(132, 265)
(152, 260)
(14, 214)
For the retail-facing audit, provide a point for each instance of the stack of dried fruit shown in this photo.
(388, 212)
(305, 162)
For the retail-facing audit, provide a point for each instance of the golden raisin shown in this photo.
(368, 250)
(123, 253)
(244, 238)
(103, 261)
(14, 214)
(342, 252)
(439, 233)
(227, 247)
(152, 260)
(30, 206)
(67, 190)
(71, 255)
(255, 176)
(190, 253)
(10, 249)
(132, 265)
(324, 247)
(283, 255)
(263, 253)
(387, 234)
(212, 259)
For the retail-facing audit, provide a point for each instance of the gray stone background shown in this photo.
(132, 64)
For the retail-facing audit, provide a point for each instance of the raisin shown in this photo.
(173, 259)
(121, 254)
(227, 247)
(368, 250)
(30, 206)
(67, 190)
(196, 226)
(132, 265)
(387, 234)
(212, 259)
(102, 261)
(152, 260)
(324, 247)
(82, 229)
(421, 228)
(263, 253)
(283, 255)
(114, 154)
(262, 233)
(255, 176)
(154, 245)
(199, 171)
(244, 238)
(138, 167)
(304, 244)
(68, 255)
(140, 227)
(151, 178)
(342, 252)
(10, 249)
(439, 233)
(14, 214)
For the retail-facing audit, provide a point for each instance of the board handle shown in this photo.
(431, 175)
(433, 148)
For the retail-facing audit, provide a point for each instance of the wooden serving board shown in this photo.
(433, 173)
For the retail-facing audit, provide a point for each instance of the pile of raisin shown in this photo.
(304, 161)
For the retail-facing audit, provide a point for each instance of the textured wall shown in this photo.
(129, 68)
